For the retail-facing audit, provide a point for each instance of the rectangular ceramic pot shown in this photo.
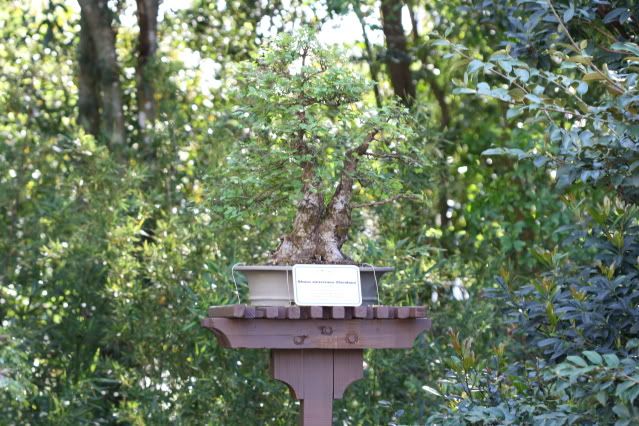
(272, 285)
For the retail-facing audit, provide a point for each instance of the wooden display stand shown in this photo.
(317, 351)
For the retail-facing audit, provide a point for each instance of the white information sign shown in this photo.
(327, 285)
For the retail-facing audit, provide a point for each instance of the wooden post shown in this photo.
(317, 352)
(316, 377)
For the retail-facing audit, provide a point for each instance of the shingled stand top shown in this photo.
(316, 312)
(317, 350)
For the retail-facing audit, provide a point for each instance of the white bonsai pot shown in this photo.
(273, 285)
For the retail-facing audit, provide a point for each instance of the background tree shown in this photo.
(147, 14)
(578, 316)
(99, 81)
(397, 56)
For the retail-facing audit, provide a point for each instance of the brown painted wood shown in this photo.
(370, 312)
(309, 376)
(268, 312)
(316, 312)
(293, 312)
(281, 312)
(249, 312)
(316, 351)
(360, 311)
(221, 338)
(418, 312)
(337, 312)
(348, 313)
(318, 334)
(348, 367)
(382, 312)
(288, 366)
(316, 377)
(305, 312)
(316, 408)
(227, 311)
(403, 312)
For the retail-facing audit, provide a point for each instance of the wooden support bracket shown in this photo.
(316, 351)
(316, 377)
(317, 334)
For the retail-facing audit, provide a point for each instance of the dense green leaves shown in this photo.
(579, 316)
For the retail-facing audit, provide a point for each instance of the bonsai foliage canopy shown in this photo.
(311, 142)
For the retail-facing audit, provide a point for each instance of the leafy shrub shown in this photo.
(575, 324)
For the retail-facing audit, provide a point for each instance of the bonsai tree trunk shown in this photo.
(319, 231)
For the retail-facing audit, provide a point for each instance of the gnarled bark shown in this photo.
(319, 231)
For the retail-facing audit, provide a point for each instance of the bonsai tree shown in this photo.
(310, 140)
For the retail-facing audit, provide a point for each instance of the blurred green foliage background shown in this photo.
(117, 130)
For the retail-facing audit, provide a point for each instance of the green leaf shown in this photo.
(431, 390)
(611, 360)
(577, 360)
(517, 94)
(623, 387)
(593, 357)
(463, 91)
(522, 74)
(593, 76)
(580, 59)
(483, 88)
(633, 394)
(513, 112)
(533, 98)
(506, 65)
(621, 411)
(582, 88)
(626, 47)
(631, 181)
(570, 12)
(441, 42)
(474, 66)
(509, 152)
(602, 397)
(501, 94)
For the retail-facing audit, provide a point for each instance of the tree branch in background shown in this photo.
(98, 25)
(392, 156)
(386, 201)
(370, 56)
(147, 14)
(88, 82)
(438, 91)
(397, 57)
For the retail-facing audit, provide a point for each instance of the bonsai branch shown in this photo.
(386, 201)
(392, 156)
